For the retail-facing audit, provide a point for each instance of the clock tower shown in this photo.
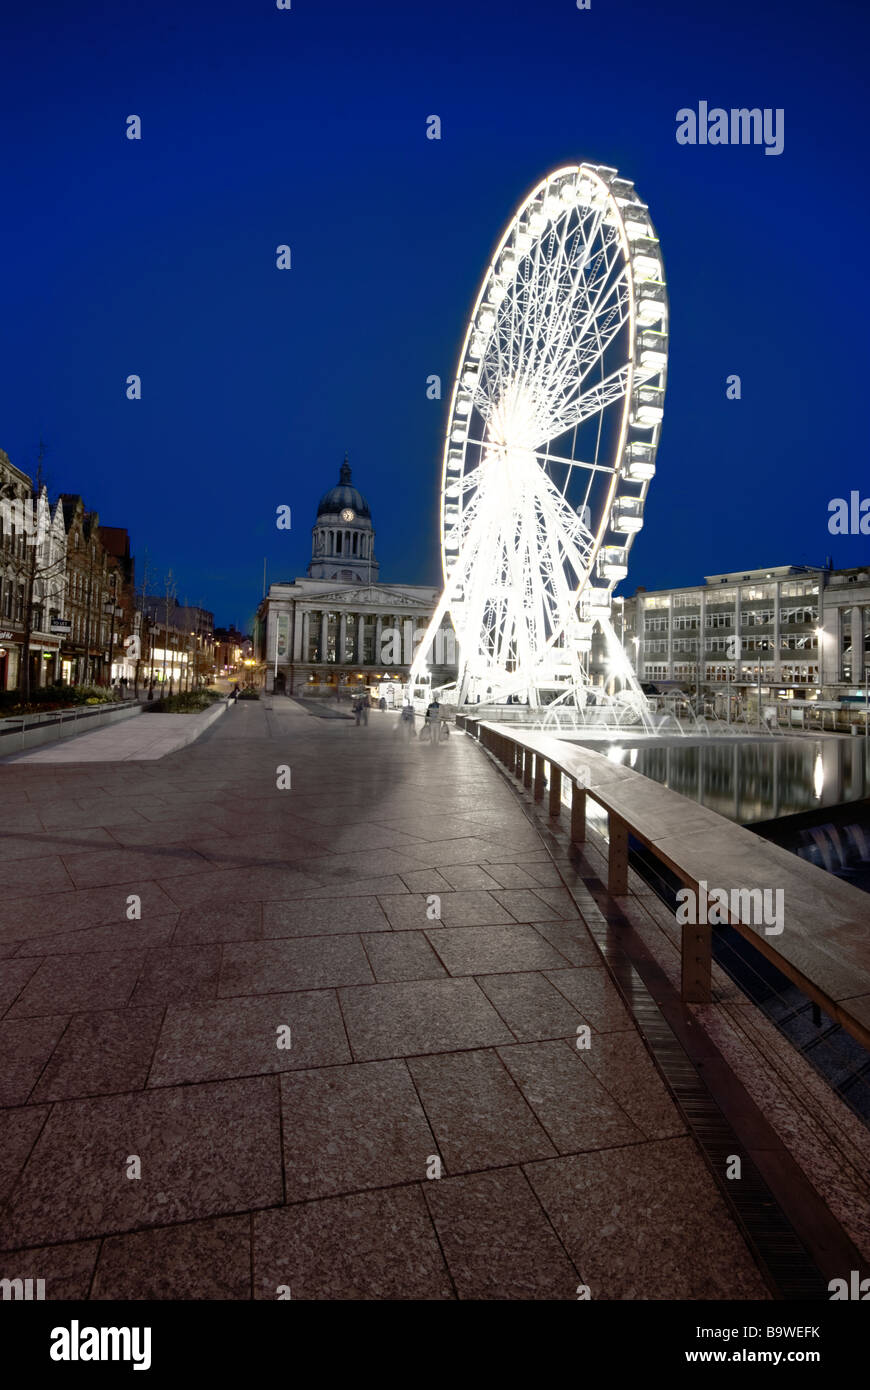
(343, 538)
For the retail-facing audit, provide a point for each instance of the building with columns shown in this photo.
(340, 628)
(797, 631)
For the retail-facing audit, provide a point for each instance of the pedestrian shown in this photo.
(382, 704)
(406, 721)
(365, 705)
(433, 718)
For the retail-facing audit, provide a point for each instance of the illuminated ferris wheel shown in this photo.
(551, 439)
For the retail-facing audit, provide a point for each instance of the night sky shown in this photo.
(308, 127)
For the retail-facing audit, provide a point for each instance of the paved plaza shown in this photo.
(336, 991)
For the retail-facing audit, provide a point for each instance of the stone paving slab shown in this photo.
(321, 998)
(204, 1150)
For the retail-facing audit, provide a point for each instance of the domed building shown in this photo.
(340, 629)
(343, 538)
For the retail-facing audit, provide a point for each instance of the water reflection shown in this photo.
(756, 781)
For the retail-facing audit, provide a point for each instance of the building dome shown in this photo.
(343, 496)
(343, 536)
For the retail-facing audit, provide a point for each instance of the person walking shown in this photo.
(365, 704)
(406, 721)
(433, 717)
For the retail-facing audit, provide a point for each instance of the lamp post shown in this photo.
(820, 632)
(762, 647)
(111, 603)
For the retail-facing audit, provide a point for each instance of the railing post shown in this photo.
(696, 954)
(518, 760)
(555, 790)
(527, 767)
(539, 777)
(578, 814)
(617, 858)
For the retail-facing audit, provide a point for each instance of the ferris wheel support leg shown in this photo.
(462, 687)
(629, 676)
(419, 662)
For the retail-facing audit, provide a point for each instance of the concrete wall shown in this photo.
(76, 721)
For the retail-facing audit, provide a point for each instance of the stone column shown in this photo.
(361, 638)
(324, 632)
(379, 627)
(306, 634)
(857, 626)
(297, 636)
(342, 637)
(670, 613)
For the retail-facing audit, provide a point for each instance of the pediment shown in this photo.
(376, 597)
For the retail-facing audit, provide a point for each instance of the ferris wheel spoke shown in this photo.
(563, 327)
(581, 278)
(581, 465)
(544, 458)
(617, 313)
(602, 394)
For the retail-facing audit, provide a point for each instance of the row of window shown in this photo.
(754, 593)
(759, 617)
(797, 673)
(725, 644)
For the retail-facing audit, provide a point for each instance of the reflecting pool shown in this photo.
(753, 780)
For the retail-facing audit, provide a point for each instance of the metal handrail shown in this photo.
(18, 723)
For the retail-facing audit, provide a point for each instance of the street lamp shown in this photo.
(111, 603)
(762, 647)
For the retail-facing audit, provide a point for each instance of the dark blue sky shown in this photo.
(307, 127)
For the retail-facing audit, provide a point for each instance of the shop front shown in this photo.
(11, 639)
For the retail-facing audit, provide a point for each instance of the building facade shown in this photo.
(85, 650)
(230, 649)
(796, 630)
(340, 627)
(177, 644)
(32, 592)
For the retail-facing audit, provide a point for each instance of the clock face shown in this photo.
(347, 514)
